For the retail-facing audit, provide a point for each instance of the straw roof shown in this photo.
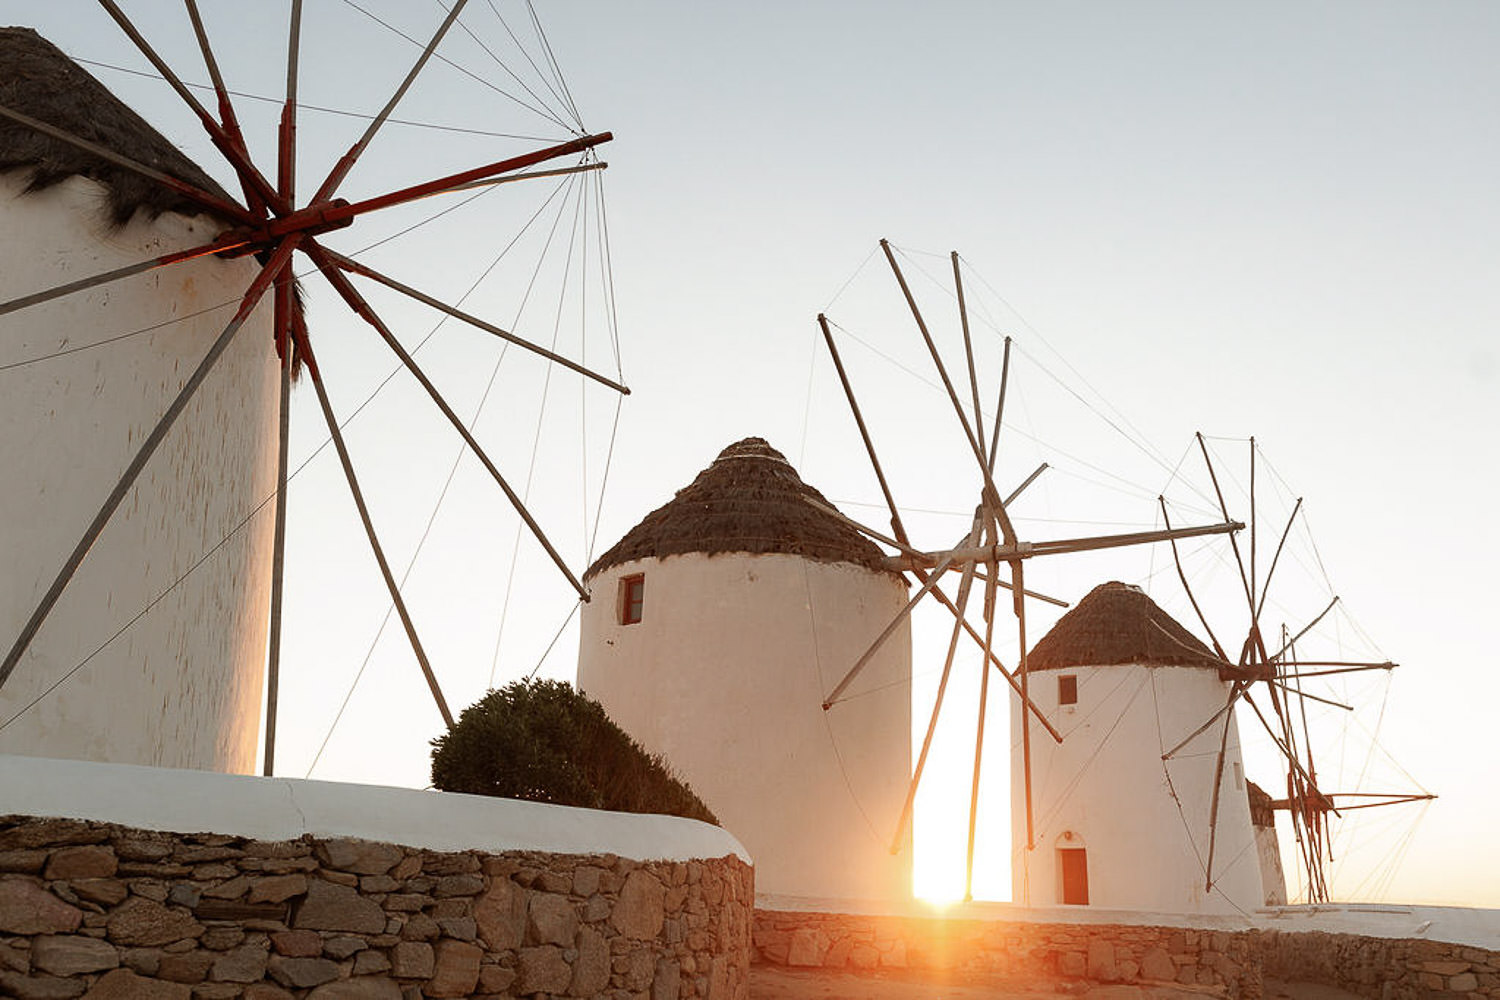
(1117, 623)
(38, 80)
(749, 500)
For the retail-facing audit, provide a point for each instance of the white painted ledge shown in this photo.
(1479, 928)
(155, 798)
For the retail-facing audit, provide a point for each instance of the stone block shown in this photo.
(667, 985)
(369, 962)
(496, 979)
(71, 955)
(1101, 961)
(245, 964)
(591, 967)
(145, 922)
(362, 988)
(298, 944)
(266, 991)
(585, 880)
(501, 915)
(1464, 982)
(458, 885)
(1073, 965)
(420, 927)
(122, 984)
(361, 857)
(1157, 964)
(457, 970)
(638, 911)
(93, 861)
(542, 970)
(412, 960)
(330, 907)
(551, 920)
(27, 908)
(300, 973)
(277, 888)
(185, 967)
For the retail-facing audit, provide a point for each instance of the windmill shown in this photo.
(266, 229)
(1275, 663)
(978, 556)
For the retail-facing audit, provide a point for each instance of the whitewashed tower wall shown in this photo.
(725, 674)
(82, 381)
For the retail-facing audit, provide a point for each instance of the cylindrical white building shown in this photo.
(155, 652)
(716, 628)
(1115, 825)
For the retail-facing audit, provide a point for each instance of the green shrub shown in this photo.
(543, 741)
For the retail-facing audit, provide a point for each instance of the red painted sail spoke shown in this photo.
(237, 157)
(234, 135)
(355, 267)
(220, 245)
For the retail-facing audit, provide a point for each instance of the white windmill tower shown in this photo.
(716, 626)
(150, 325)
(1116, 825)
(183, 687)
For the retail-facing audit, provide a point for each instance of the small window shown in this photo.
(1239, 777)
(1067, 689)
(632, 598)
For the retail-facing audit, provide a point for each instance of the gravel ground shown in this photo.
(771, 982)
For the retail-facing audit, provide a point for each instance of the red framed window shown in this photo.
(1067, 689)
(632, 598)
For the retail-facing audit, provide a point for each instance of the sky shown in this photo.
(1273, 220)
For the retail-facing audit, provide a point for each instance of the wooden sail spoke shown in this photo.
(1007, 531)
(1234, 695)
(963, 318)
(1000, 406)
(227, 117)
(1213, 808)
(1182, 575)
(1276, 558)
(1060, 546)
(351, 296)
(236, 155)
(195, 194)
(984, 691)
(105, 277)
(885, 634)
(965, 584)
(346, 162)
(285, 306)
(364, 270)
(392, 587)
(148, 447)
(1224, 509)
(915, 554)
(286, 146)
(1305, 629)
(864, 431)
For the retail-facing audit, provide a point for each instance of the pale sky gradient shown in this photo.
(1272, 219)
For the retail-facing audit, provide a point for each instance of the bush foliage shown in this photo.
(543, 741)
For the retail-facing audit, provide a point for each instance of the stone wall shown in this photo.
(1382, 968)
(1013, 950)
(111, 912)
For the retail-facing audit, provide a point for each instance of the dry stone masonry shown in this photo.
(106, 912)
(1101, 953)
(1215, 962)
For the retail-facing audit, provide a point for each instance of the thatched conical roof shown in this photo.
(1117, 623)
(38, 80)
(749, 500)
